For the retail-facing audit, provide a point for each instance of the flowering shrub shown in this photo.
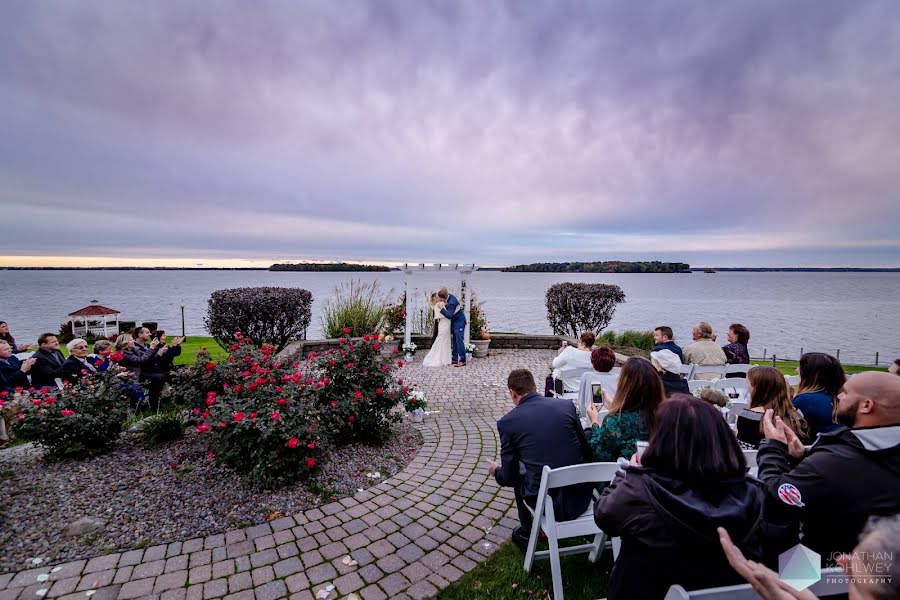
(395, 317)
(272, 315)
(414, 400)
(262, 418)
(409, 348)
(190, 384)
(81, 420)
(360, 391)
(478, 325)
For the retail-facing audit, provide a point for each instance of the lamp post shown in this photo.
(182, 318)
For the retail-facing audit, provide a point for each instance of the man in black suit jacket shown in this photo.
(539, 431)
(49, 364)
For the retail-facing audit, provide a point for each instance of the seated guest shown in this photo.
(603, 359)
(669, 368)
(571, 359)
(736, 352)
(847, 476)
(136, 360)
(48, 366)
(664, 339)
(78, 364)
(895, 367)
(166, 362)
(539, 431)
(690, 480)
(870, 568)
(632, 412)
(768, 389)
(102, 350)
(6, 336)
(14, 371)
(704, 351)
(821, 379)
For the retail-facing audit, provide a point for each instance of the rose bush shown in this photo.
(81, 420)
(360, 393)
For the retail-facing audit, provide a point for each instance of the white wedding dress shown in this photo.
(441, 353)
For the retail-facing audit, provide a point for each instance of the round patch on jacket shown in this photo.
(789, 494)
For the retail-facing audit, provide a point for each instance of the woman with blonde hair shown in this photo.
(768, 389)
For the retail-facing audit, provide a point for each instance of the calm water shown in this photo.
(856, 312)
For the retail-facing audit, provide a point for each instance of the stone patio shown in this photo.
(406, 537)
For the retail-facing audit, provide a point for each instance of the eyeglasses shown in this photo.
(79, 347)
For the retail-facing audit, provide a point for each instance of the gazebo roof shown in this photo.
(94, 309)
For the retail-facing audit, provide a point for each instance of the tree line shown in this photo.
(323, 267)
(606, 266)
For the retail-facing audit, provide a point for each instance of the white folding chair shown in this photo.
(545, 519)
(793, 380)
(687, 371)
(734, 385)
(698, 384)
(717, 370)
(832, 583)
(729, 369)
(567, 374)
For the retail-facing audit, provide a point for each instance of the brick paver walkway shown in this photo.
(406, 537)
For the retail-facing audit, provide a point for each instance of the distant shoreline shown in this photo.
(496, 269)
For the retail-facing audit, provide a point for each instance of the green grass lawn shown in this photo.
(502, 577)
(789, 367)
(191, 347)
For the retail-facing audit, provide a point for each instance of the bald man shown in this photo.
(847, 476)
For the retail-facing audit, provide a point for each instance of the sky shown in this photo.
(217, 133)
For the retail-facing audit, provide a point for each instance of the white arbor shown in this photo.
(462, 270)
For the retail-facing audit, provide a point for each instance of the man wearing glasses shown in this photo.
(78, 365)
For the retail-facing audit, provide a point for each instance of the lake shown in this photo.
(858, 313)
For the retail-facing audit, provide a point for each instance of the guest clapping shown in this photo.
(14, 372)
(7, 337)
(136, 359)
(167, 360)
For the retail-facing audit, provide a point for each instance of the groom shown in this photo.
(453, 311)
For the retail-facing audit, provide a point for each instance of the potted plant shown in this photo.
(409, 350)
(478, 329)
(415, 404)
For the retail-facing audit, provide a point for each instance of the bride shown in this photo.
(441, 350)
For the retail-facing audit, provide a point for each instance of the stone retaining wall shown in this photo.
(499, 341)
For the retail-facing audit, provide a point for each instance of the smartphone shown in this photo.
(596, 392)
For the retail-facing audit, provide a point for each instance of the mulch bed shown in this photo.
(152, 495)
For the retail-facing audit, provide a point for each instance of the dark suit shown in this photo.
(47, 368)
(11, 369)
(72, 369)
(457, 328)
(542, 431)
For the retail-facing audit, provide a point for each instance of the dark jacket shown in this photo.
(818, 410)
(72, 369)
(139, 358)
(167, 361)
(13, 377)
(674, 384)
(457, 318)
(736, 354)
(543, 431)
(668, 531)
(845, 478)
(47, 368)
(670, 345)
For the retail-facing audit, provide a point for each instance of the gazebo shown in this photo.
(95, 318)
(462, 270)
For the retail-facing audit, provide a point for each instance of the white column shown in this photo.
(407, 330)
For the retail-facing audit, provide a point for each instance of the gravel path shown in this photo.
(152, 495)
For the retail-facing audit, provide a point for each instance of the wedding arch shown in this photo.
(464, 271)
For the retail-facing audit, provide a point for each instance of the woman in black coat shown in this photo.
(691, 479)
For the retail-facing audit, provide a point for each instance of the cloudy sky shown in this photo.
(717, 133)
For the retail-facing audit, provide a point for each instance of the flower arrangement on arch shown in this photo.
(409, 348)
(414, 400)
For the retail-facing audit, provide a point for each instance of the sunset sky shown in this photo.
(241, 133)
